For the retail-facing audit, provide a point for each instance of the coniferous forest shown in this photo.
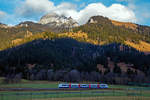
(97, 51)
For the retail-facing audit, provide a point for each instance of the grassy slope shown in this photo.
(105, 31)
(83, 37)
(91, 33)
(141, 46)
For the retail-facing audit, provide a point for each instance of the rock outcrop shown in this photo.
(3, 25)
(54, 20)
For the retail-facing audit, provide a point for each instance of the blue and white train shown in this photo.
(103, 86)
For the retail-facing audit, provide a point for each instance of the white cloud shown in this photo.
(141, 10)
(34, 9)
(30, 8)
(66, 9)
(115, 12)
(2, 14)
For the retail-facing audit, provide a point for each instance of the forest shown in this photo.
(91, 52)
(67, 59)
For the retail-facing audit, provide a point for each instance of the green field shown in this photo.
(93, 94)
(46, 84)
(30, 84)
(100, 98)
(49, 84)
(122, 92)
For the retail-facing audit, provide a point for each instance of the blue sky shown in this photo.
(13, 12)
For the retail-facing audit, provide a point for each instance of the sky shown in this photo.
(13, 12)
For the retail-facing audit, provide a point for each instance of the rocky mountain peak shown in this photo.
(55, 20)
(49, 15)
(98, 19)
(3, 25)
(26, 24)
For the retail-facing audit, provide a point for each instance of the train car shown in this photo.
(93, 86)
(84, 85)
(75, 85)
(103, 86)
(63, 86)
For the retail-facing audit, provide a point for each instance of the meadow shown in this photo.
(119, 92)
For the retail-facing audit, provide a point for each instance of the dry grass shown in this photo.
(142, 46)
(78, 34)
(16, 41)
(100, 98)
(125, 24)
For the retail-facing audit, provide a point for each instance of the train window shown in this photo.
(75, 85)
(64, 84)
(84, 85)
(103, 85)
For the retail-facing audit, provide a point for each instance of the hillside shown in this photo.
(106, 31)
(125, 24)
(98, 30)
(67, 54)
(48, 23)
(100, 48)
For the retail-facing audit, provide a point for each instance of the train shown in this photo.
(70, 85)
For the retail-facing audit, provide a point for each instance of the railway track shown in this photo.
(55, 89)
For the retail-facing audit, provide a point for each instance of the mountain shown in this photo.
(54, 20)
(135, 27)
(98, 30)
(3, 25)
(102, 48)
(104, 31)
(25, 29)
(20, 31)
(27, 24)
(48, 23)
